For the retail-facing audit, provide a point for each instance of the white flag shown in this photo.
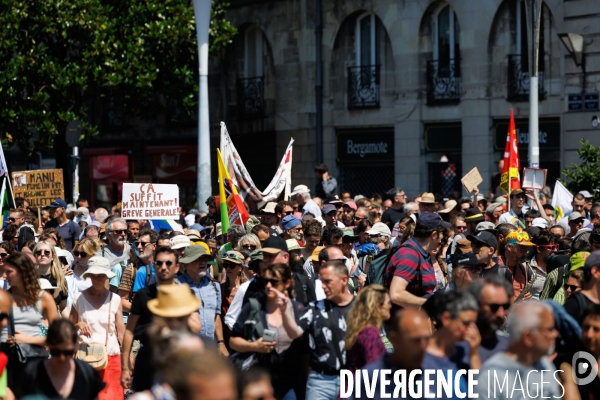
(561, 200)
(248, 191)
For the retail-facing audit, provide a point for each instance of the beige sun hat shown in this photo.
(98, 265)
(174, 301)
(47, 286)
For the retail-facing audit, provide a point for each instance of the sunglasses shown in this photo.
(232, 256)
(230, 265)
(289, 212)
(143, 244)
(572, 287)
(12, 220)
(58, 353)
(358, 219)
(495, 306)
(81, 254)
(595, 237)
(249, 247)
(551, 247)
(44, 252)
(461, 228)
(120, 231)
(273, 282)
(167, 263)
(3, 255)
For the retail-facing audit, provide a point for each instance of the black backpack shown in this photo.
(304, 289)
(378, 266)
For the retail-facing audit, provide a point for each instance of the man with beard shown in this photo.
(484, 246)
(117, 251)
(494, 297)
(140, 318)
(521, 273)
(532, 336)
(197, 276)
(292, 228)
(296, 260)
(146, 244)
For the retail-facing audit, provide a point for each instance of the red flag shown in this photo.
(511, 159)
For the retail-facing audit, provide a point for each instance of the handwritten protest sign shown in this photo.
(471, 180)
(40, 187)
(150, 201)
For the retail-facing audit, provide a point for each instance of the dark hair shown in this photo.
(543, 237)
(363, 225)
(20, 202)
(8, 247)
(29, 276)
(252, 375)
(331, 233)
(205, 220)
(581, 245)
(260, 228)
(10, 232)
(565, 244)
(339, 268)
(149, 232)
(61, 330)
(591, 311)
(548, 207)
(162, 236)
(505, 228)
(281, 204)
(312, 228)
(285, 272)
(31, 245)
(464, 200)
(321, 168)
(52, 233)
(211, 201)
(532, 213)
(167, 250)
(133, 221)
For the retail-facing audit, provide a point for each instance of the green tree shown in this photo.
(585, 175)
(59, 59)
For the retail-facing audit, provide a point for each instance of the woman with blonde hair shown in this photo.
(82, 251)
(249, 242)
(364, 343)
(49, 267)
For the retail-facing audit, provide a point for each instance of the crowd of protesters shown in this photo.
(96, 306)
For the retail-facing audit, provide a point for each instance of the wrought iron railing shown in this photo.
(363, 87)
(518, 80)
(251, 97)
(443, 82)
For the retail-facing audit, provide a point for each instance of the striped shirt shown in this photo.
(405, 263)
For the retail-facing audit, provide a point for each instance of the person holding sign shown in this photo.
(68, 229)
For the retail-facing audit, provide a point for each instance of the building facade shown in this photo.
(415, 92)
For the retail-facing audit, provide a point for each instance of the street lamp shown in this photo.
(574, 44)
(204, 189)
(533, 9)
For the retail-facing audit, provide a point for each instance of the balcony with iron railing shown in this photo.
(251, 97)
(443, 82)
(518, 80)
(363, 87)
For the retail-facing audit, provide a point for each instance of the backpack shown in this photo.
(560, 281)
(24, 235)
(378, 266)
(304, 289)
(253, 330)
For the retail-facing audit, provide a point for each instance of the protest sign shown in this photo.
(150, 201)
(40, 187)
(471, 180)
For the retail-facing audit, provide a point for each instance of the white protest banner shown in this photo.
(150, 201)
(242, 180)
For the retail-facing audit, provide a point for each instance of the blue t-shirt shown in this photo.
(140, 277)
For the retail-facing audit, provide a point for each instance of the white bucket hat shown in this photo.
(47, 286)
(98, 266)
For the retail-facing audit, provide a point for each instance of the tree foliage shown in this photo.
(60, 58)
(585, 175)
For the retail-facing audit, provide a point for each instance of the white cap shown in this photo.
(379, 229)
(190, 220)
(540, 223)
(300, 189)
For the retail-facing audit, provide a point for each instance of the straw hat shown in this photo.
(174, 301)
(47, 286)
(98, 266)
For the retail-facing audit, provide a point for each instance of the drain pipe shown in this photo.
(319, 80)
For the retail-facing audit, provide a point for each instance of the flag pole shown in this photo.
(288, 184)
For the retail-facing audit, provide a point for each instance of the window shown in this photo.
(363, 78)
(367, 40)
(253, 53)
(446, 34)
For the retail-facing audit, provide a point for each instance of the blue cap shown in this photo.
(290, 222)
(58, 203)
(199, 227)
(428, 220)
(368, 249)
(327, 208)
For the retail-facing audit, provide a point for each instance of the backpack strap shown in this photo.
(560, 280)
(255, 316)
(334, 334)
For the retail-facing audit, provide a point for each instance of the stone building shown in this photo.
(407, 84)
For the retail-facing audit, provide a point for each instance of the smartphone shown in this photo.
(268, 335)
